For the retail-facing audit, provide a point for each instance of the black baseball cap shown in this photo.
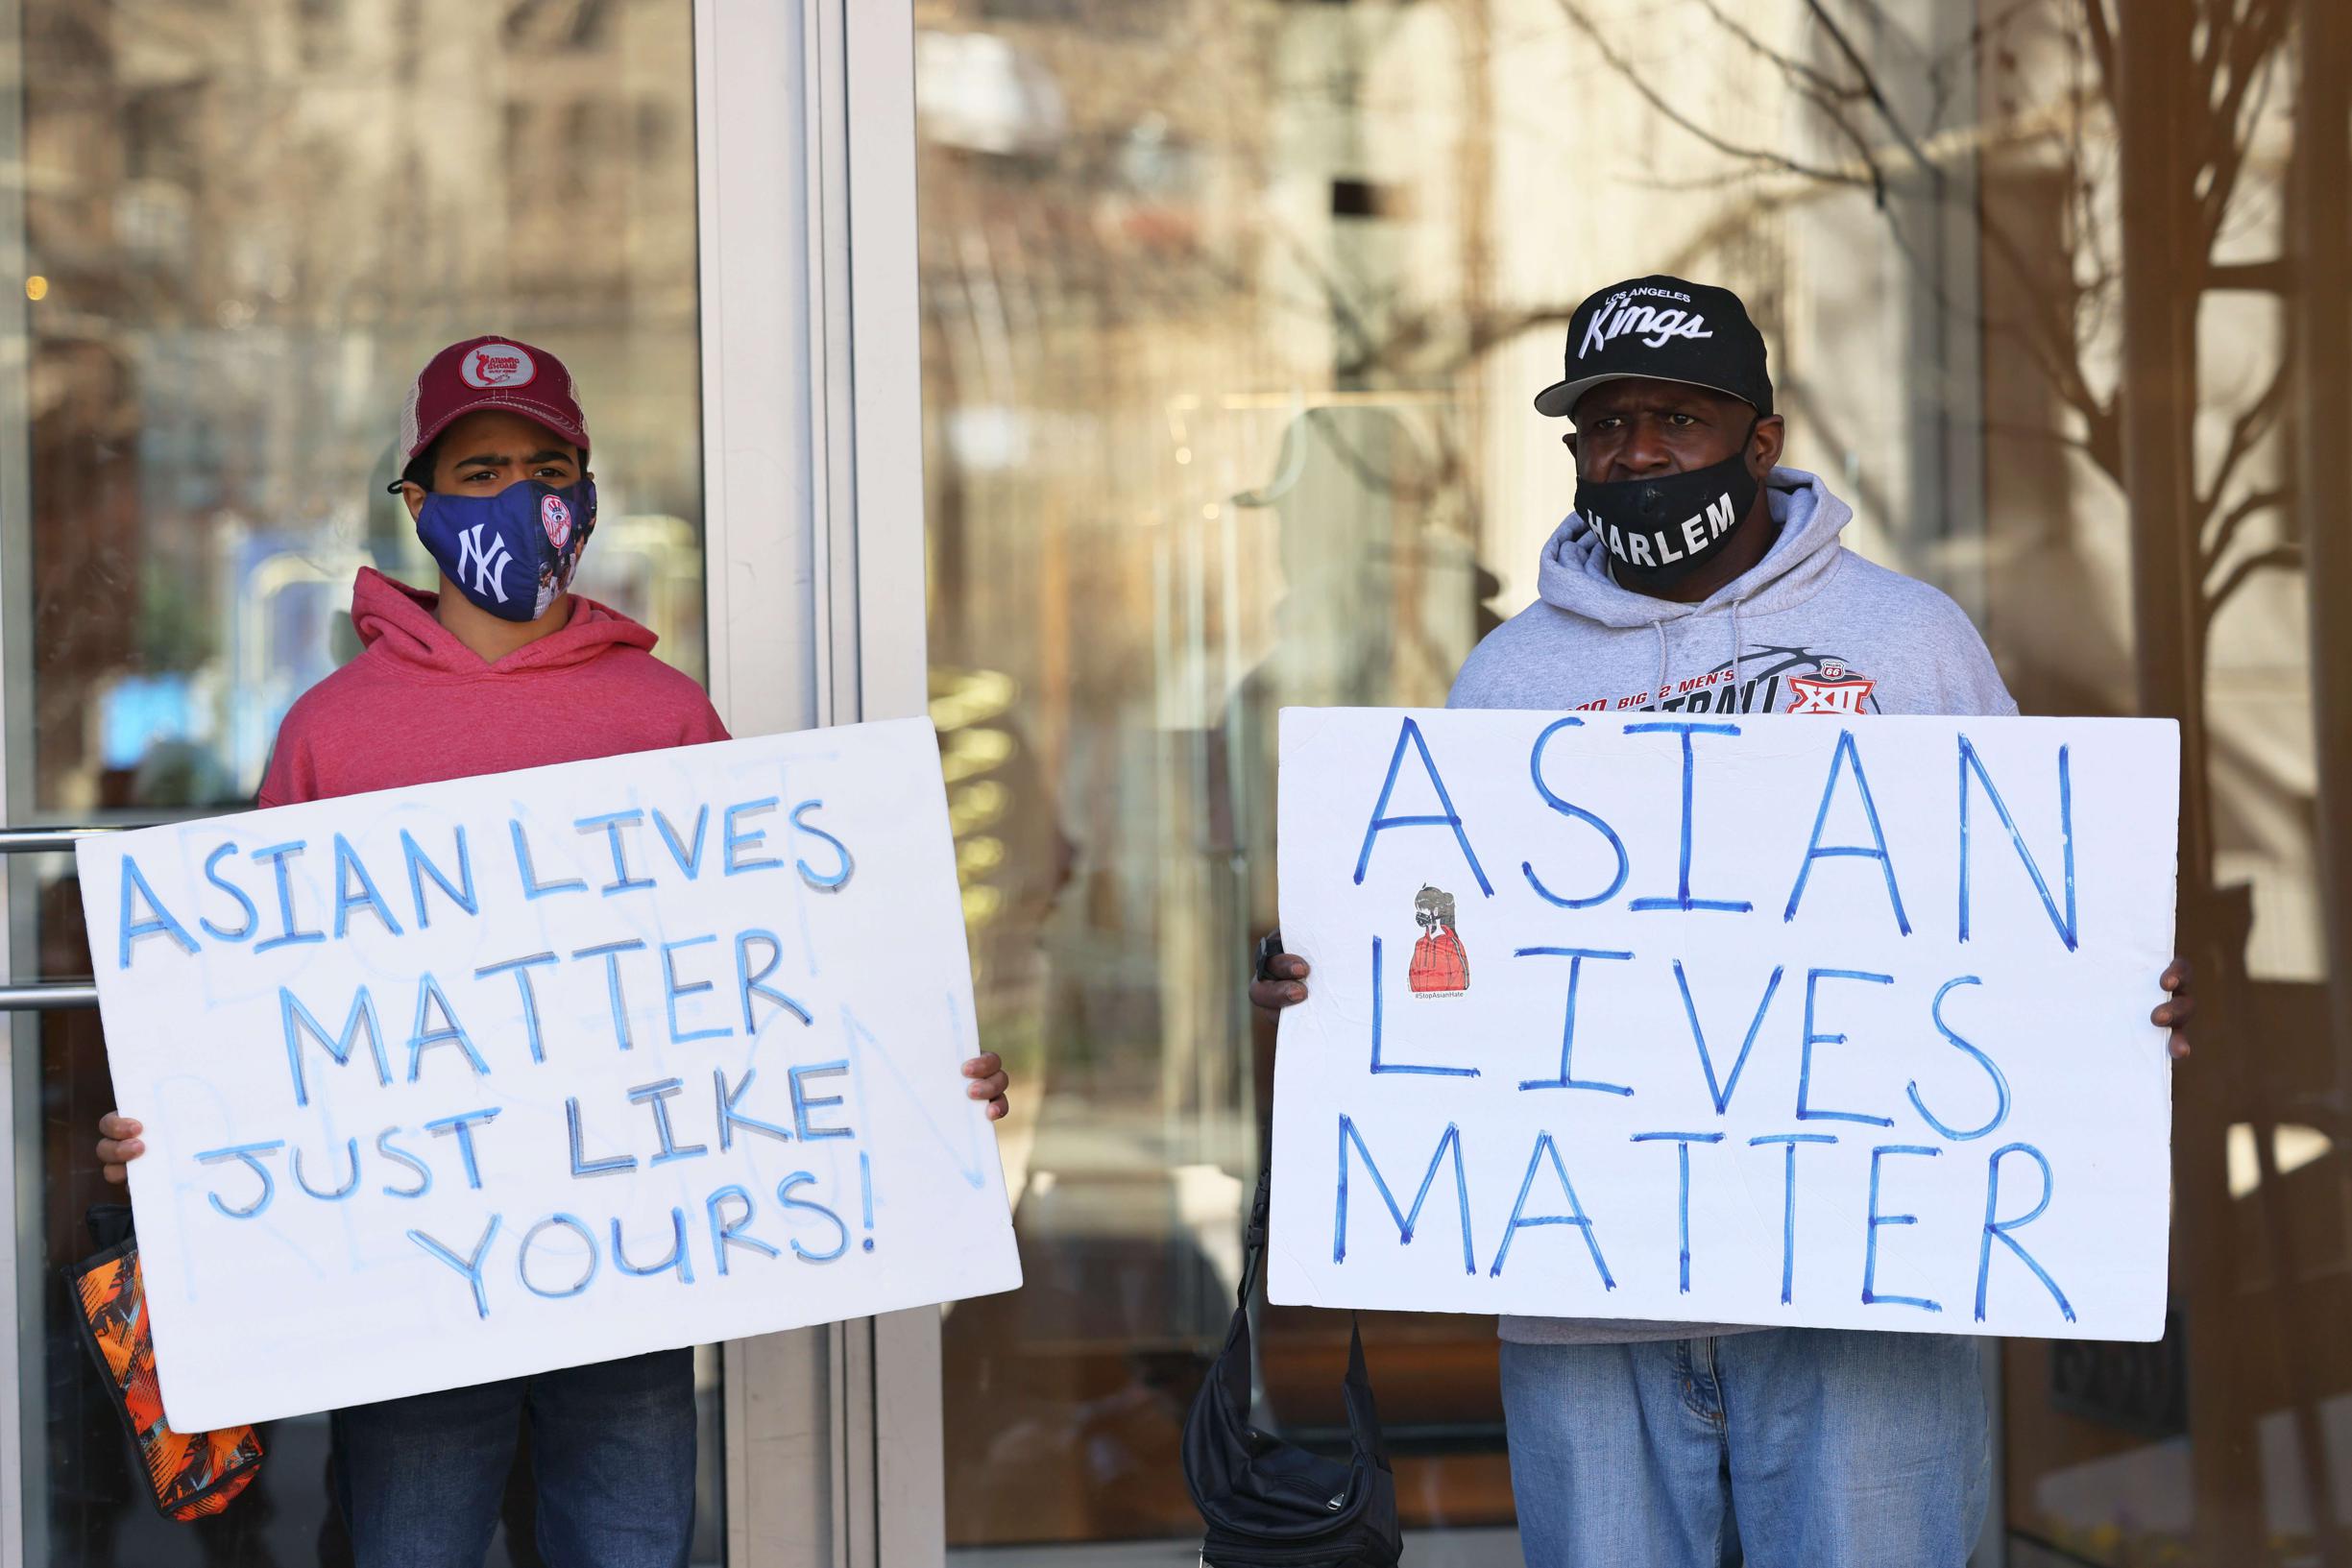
(1662, 329)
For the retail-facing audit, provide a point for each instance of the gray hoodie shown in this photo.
(1812, 628)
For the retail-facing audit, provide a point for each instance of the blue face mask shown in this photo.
(511, 553)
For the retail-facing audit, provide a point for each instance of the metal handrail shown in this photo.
(47, 996)
(46, 840)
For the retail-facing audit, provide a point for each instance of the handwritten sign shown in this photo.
(1764, 1020)
(462, 1082)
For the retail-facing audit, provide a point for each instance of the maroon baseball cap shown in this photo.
(490, 372)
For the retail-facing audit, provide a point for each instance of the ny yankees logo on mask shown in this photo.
(477, 539)
(487, 566)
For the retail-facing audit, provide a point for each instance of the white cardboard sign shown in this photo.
(1741, 1020)
(477, 1079)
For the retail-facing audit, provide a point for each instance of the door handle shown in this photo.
(47, 996)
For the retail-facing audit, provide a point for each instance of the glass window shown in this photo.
(1234, 315)
(244, 226)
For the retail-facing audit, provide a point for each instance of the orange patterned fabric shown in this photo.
(194, 1474)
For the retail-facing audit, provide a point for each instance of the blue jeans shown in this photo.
(612, 1451)
(1783, 1448)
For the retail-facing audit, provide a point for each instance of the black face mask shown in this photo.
(1658, 531)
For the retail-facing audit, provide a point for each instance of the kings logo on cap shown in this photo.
(1621, 314)
(498, 365)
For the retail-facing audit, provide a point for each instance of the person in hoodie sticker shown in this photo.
(502, 667)
(1440, 966)
(1695, 575)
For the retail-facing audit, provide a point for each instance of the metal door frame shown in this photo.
(812, 401)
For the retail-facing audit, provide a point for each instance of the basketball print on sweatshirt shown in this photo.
(1441, 968)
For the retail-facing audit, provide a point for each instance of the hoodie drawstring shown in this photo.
(1659, 627)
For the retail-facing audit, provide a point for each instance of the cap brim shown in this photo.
(536, 412)
(1557, 400)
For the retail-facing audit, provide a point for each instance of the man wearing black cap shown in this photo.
(1697, 575)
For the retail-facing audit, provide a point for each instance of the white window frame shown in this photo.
(813, 507)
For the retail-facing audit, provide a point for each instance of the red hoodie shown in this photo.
(418, 705)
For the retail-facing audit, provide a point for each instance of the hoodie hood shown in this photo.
(395, 623)
(1575, 577)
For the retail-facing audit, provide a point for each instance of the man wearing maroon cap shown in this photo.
(503, 668)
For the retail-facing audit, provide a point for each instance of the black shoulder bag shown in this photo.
(1269, 1504)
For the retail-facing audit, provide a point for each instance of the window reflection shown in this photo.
(1232, 320)
(246, 226)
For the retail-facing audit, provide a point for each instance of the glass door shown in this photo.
(237, 229)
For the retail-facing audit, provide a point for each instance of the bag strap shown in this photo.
(1233, 1365)
(1362, 1414)
(1253, 1241)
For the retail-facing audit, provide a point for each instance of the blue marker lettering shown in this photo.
(611, 824)
(463, 1124)
(1813, 1037)
(829, 882)
(1682, 1210)
(289, 934)
(1411, 733)
(733, 840)
(1576, 1215)
(1721, 1093)
(689, 862)
(421, 1038)
(803, 1102)
(341, 1193)
(727, 1233)
(1682, 898)
(581, 1166)
(532, 887)
(731, 1116)
(1992, 1069)
(1816, 850)
(1576, 957)
(385, 1146)
(677, 1261)
(1998, 1230)
(1527, 868)
(420, 867)
(785, 1190)
(2068, 931)
(522, 1256)
(669, 978)
(1788, 1200)
(346, 863)
(212, 875)
(1869, 1253)
(865, 1196)
(520, 968)
(748, 985)
(470, 1267)
(298, 1019)
(249, 1153)
(657, 1095)
(1378, 1013)
(162, 922)
(1407, 1222)
(610, 953)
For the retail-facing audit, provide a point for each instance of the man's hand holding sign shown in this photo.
(483, 1077)
(1759, 1020)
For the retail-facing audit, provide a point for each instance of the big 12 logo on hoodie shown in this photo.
(1835, 689)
